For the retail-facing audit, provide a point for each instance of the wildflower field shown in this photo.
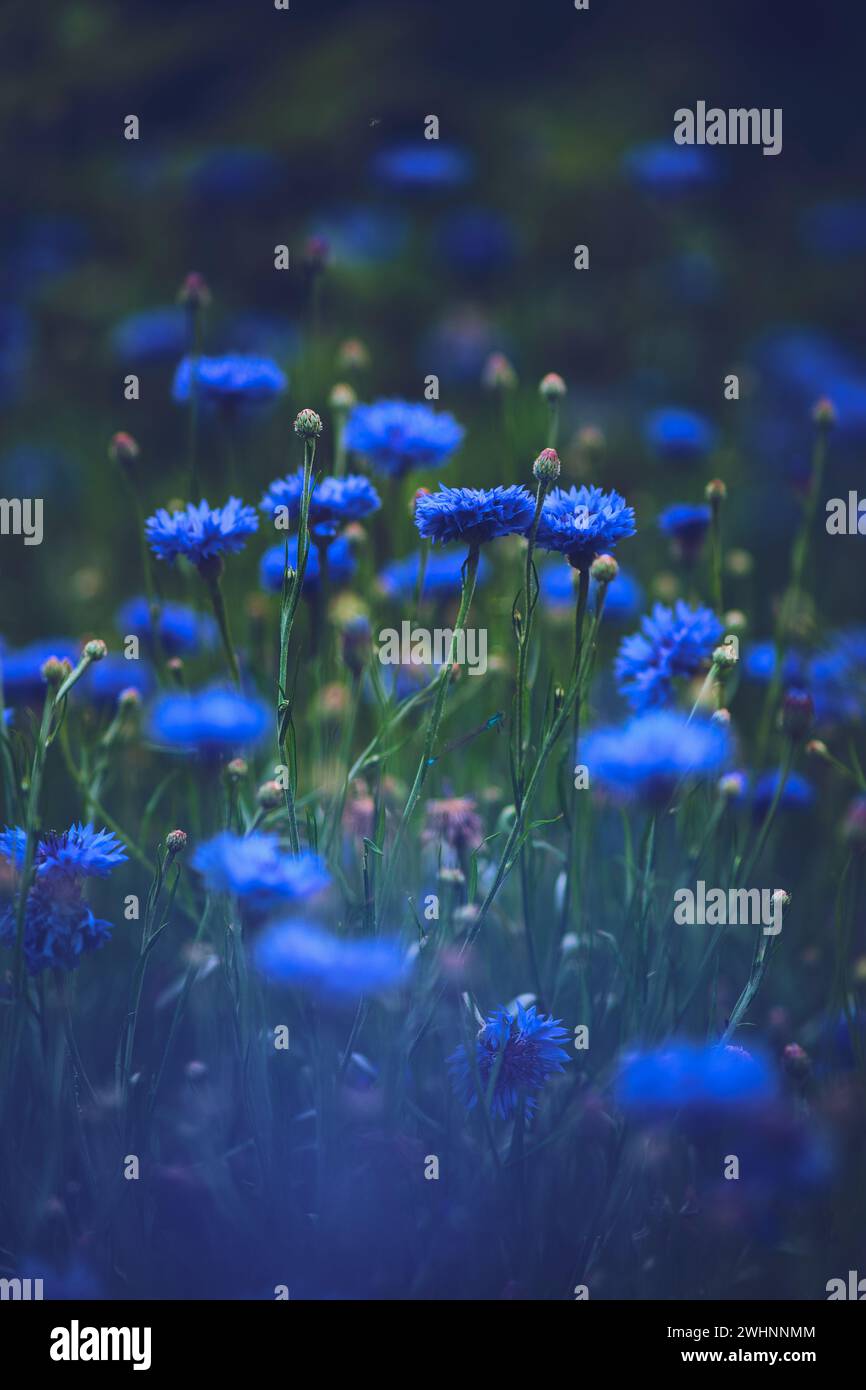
(433, 660)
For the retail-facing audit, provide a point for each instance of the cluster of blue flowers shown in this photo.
(59, 926)
(339, 558)
(650, 755)
(257, 869)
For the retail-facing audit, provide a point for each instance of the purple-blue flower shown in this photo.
(421, 166)
(661, 167)
(398, 436)
(258, 869)
(21, 670)
(672, 643)
(334, 969)
(797, 795)
(582, 522)
(686, 524)
(201, 532)
(211, 721)
(182, 631)
(334, 502)
(233, 380)
(695, 1079)
(523, 1049)
(648, 756)
(623, 598)
(473, 515)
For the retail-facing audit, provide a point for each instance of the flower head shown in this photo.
(442, 575)
(334, 502)
(699, 1080)
(455, 821)
(213, 721)
(397, 436)
(201, 532)
(21, 670)
(59, 927)
(334, 969)
(673, 642)
(687, 527)
(181, 630)
(679, 435)
(653, 752)
(340, 562)
(257, 869)
(525, 1049)
(581, 522)
(232, 380)
(797, 794)
(473, 515)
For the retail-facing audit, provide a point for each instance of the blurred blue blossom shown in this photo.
(107, 679)
(235, 379)
(21, 670)
(334, 969)
(836, 678)
(359, 235)
(694, 1079)
(686, 524)
(442, 575)
(153, 335)
(258, 869)
(664, 168)
(212, 721)
(798, 794)
(653, 752)
(182, 630)
(760, 661)
(522, 1049)
(340, 557)
(422, 165)
(398, 436)
(623, 597)
(679, 435)
(672, 643)
(235, 174)
(477, 241)
(333, 503)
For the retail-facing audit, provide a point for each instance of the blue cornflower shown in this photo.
(837, 679)
(22, 669)
(422, 165)
(256, 868)
(154, 335)
(181, 629)
(653, 752)
(59, 927)
(798, 794)
(107, 679)
(397, 436)
(334, 501)
(340, 560)
(583, 522)
(623, 599)
(442, 575)
(760, 660)
(686, 525)
(234, 380)
(211, 721)
(334, 969)
(696, 1080)
(524, 1050)
(673, 642)
(473, 515)
(665, 168)
(201, 532)
(679, 435)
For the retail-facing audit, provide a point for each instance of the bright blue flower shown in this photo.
(442, 575)
(672, 643)
(679, 435)
(653, 752)
(473, 515)
(107, 679)
(232, 380)
(201, 532)
(583, 522)
(695, 1080)
(760, 661)
(256, 868)
(686, 524)
(666, 168)
(425, 164)
(22, 670)
(340, 559)
(398, 436)
(334, 501)
(182, 631)
(59, 927)
(524, 1049)
(797, 796)
(154, 335)
(211, 721)
(334, 969)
